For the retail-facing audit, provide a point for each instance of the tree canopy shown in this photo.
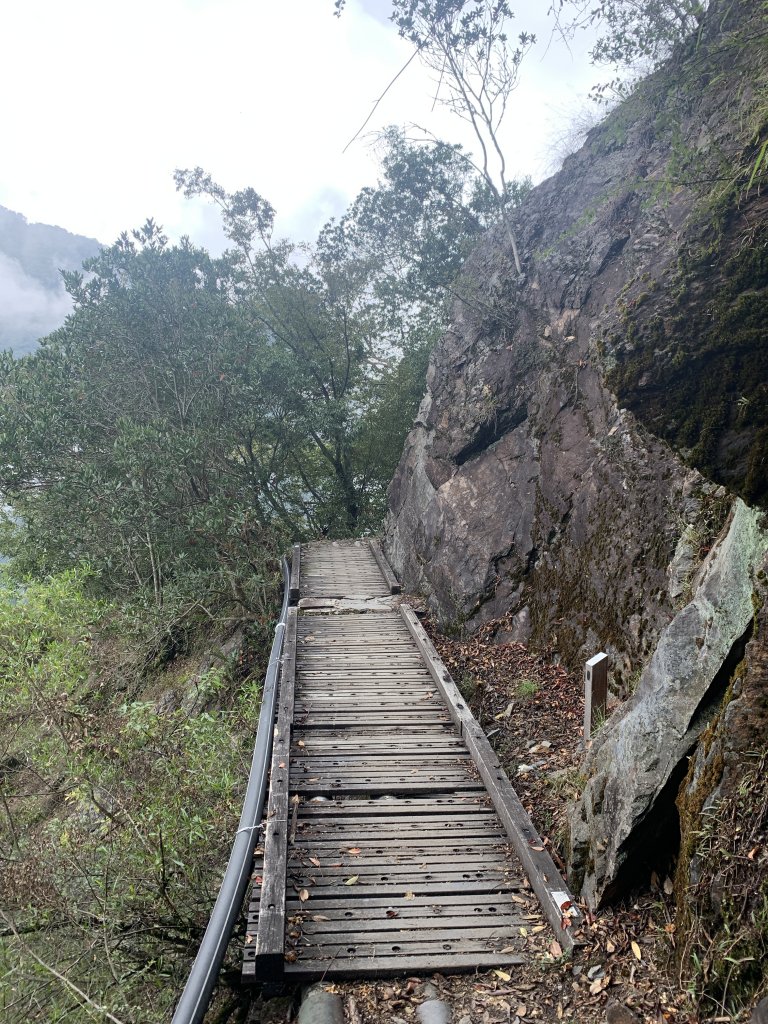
(195, 412)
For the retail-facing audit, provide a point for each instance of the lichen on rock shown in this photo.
(625, 823)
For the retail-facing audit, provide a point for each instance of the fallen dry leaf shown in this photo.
(352, 879)
(637, 951)
(503, 975)
(304, 895)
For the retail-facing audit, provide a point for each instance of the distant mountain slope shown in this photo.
(33, 301)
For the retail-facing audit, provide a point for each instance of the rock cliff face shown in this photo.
(639, 759)
(591, 450)
(539, 476)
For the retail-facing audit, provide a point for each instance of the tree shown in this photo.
(325, 358)
(465, 43)
(133, 437)
(415, 229)
(340, 315)
(633, 36)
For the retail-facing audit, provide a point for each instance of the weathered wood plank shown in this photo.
(271, 928)
(480, 903)
(411, 927)
(351, 966)
(386, 568)
(557, 902)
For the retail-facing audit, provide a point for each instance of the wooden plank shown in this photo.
(476, 845)
(382, 786)
(345, 966)
(412, 926)
(346, 865)
(320, 878)
(381, 967)
(478, 903)
(390, 854)
(357, 759)
(450, 810)
(557, 902)
(386, 568)
(271, 928)
(398, 934)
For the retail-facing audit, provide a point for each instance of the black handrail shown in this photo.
(196, 996)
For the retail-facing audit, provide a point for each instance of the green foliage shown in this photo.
(116, 810)
(526, 688)
(350, 322)
(633, 36)
(466, 45)
(129, 438)
(723, 905)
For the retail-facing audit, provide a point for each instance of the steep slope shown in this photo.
(539, 476)
(591, 460)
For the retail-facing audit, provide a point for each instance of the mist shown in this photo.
(28, 309)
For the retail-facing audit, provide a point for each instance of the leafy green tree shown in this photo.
(414, 230)
(466, 45)
(133, 438)
(340, 316)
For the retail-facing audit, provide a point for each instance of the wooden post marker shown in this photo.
(595, 692)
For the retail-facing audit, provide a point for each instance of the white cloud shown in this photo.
(28, 310)
(104, 100)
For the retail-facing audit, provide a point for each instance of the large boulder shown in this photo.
(626, 823)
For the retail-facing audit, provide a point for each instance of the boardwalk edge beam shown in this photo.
(557, 903)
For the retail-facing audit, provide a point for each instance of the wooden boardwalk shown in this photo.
(393, 842)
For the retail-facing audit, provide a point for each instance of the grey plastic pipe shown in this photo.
(196, 996)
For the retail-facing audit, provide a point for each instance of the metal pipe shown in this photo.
(196, 996)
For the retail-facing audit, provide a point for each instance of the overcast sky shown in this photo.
(102, 100)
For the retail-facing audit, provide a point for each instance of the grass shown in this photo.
(526, 688)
